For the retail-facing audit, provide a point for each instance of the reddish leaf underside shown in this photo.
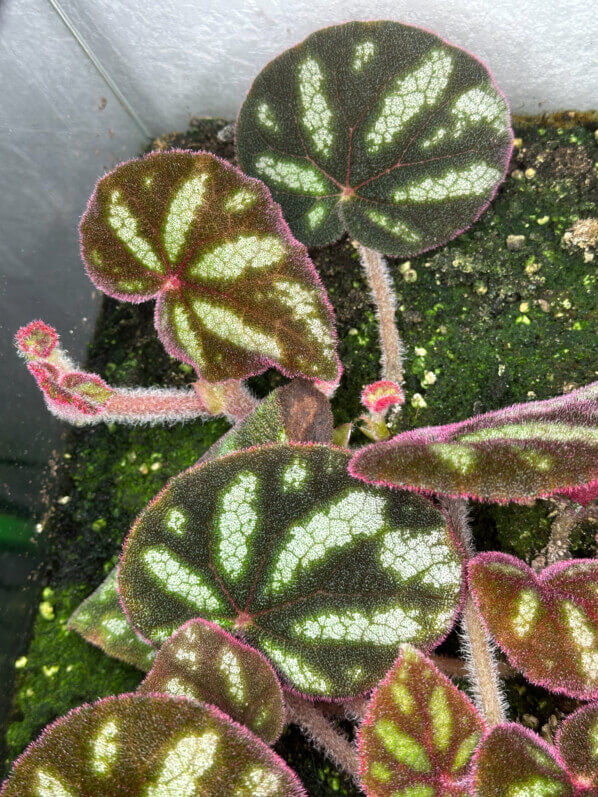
(514, 761)
(547, 625)
(380, 129)
(520, 453)
(419, 734)
(236, 293)
(577, 743)
(203, 662)
(326, 576)
(150, 746)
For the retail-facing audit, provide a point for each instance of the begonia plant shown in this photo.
(285, 577)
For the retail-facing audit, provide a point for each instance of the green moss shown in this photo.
(466, 308)
(60, 671)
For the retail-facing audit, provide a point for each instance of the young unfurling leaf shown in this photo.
(548, 624)
(236, 293)
(518, 454)
(101, 621)
(380, 129)
(419, 734)
(149, 746)
(203, 662)
(514, 761)
(324, 575)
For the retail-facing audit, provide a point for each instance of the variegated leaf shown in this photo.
(236, 293)
(419, 734)
(548, 624)
(149, 746)
(296, 412)
(514, 762)
(101, 621)
(577, 743)
(203, 662)
(322, 574)
(380, 129)
(524, 452)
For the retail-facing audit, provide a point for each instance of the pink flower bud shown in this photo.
(380, 395)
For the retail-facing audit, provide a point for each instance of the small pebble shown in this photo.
(515, 242)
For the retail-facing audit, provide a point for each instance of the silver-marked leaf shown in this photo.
(101, 621)
(419, 733)
(577, 743)
(548, 624)
(380, 129)
(149, 746)
(514, 762)
(236, 293)
(521, 453)
(322, 574)
(203, 662)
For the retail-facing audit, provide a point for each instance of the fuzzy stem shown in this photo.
(568, 515)
(153, 406)
(479, 649)
(322, 733)
(383, 295)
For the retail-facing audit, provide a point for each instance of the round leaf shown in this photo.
(514, 761)
(380, 129)
(521, 453)
(236, 293)
(420, 732)
(547, 625)
(203, 662)
(577, 742)
(324, 575)
(150, 746)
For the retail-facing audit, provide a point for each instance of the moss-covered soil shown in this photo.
(507, 312)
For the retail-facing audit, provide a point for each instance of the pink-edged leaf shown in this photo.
(101, 621)
(149, 746)
(379, 129)
(524, 452)
(577, 743)
(514, 762)
(37, 340)
(203, 662)
(419, 734)
(582, 495)
(548, 624)
(236, 293)
(324, 575)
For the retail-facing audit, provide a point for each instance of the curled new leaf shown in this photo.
(380, 395)
(380, 129)
(419, 734)
(203, 662)
(548, 624)
(577, 742)
(324, 575)
(524, 452)
(514, 761)
(149, 746)
(236, 293)
(37, 340)
(101, 621)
